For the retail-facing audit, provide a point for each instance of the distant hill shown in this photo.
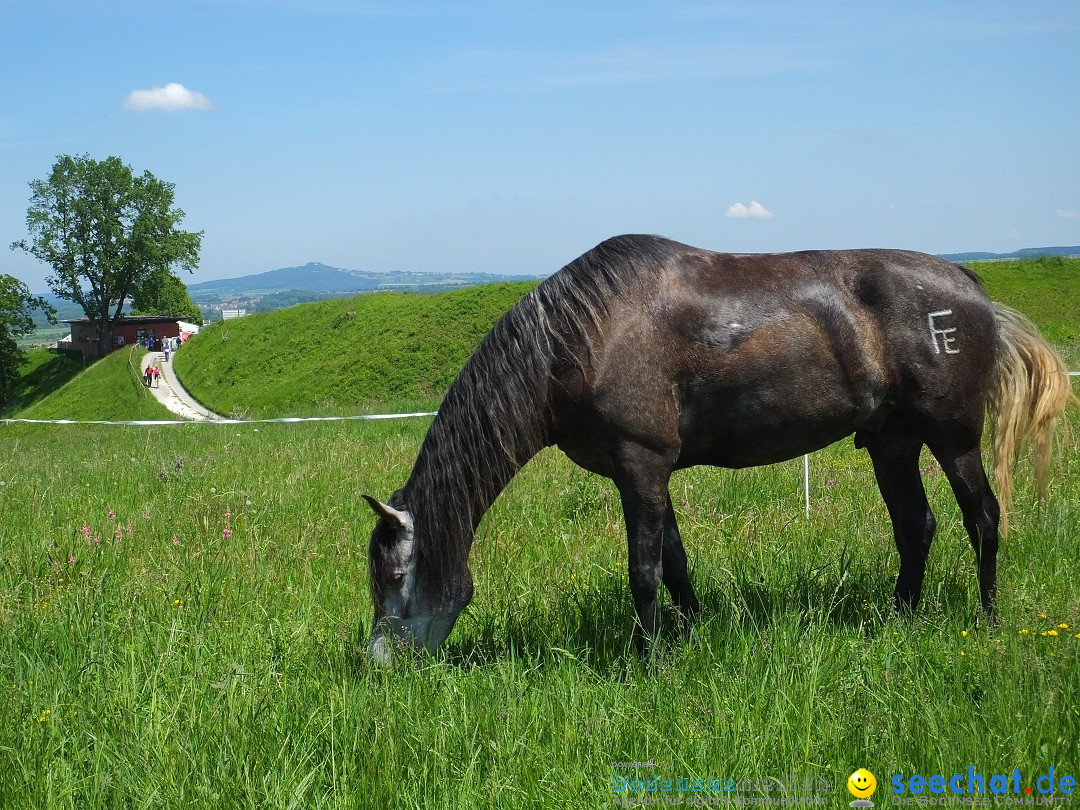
(1023, 253)
(316, 277)
(313, 276)
(314, 281)
(286, 286)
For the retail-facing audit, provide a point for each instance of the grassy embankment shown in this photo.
(347, 356)
(109, 389)
(180, 613)
(1047, 291)
(44, 371)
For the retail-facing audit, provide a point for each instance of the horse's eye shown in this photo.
(396, 579)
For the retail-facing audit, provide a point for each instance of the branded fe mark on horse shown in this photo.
(944, 333)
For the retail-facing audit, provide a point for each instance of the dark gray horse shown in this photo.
(646, 356)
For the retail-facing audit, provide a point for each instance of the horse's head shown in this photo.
(405, 607)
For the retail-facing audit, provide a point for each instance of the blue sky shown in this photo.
(509, 137)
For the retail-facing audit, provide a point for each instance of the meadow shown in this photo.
(183, 612)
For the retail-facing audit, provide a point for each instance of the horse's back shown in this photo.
(744, 359)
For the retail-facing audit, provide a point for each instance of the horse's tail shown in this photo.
(1028, 394)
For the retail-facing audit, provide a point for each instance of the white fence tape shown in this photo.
(290, 419)
(369, 416)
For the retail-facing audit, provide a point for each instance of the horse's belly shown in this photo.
(751, 428)
(751, 448)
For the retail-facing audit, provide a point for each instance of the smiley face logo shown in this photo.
(862, 784)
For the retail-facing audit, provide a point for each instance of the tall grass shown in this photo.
(182, 608)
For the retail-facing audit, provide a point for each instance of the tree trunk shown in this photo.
(103, 338)
(103, 330)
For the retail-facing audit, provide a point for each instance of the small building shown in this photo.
(145, 329)
(187, 330)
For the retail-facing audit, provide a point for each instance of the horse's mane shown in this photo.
(497, 413)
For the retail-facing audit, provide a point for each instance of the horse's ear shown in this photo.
(400, 518)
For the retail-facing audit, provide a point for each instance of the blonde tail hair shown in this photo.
(1028, 396)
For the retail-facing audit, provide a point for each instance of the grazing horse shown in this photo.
(646, 356)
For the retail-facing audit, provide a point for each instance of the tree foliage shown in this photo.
(16, 319)
(164, 293)
(105, 232)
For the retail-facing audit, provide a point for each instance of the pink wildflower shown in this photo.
(228, 532)
(111, 513)
(97, 539)
(175, 540)
(119, 533)
(85, 530)
(71, 559)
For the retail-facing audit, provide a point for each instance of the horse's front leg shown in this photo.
(643, 490)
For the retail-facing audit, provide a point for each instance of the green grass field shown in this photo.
(183, 611)
(1046, 290)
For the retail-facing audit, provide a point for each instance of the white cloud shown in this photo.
(753, 211)
(172, 96)
(1068, 214)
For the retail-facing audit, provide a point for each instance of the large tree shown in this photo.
(16, 319)
(165, 293)
(96, 223)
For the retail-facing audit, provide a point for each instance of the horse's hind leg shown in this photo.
(675, 576)
(981, 512)
(896, 467)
